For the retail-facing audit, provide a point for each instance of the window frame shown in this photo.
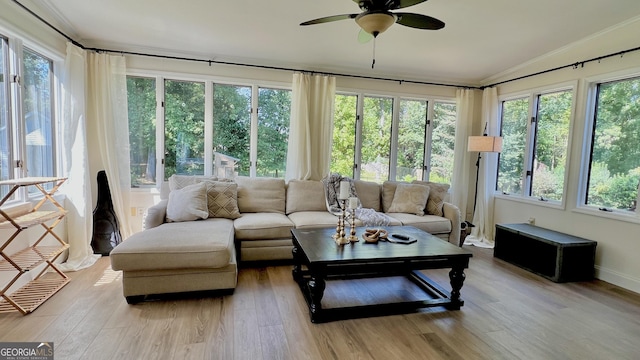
(533, 96)
(209, 81)
(590, 88)
(393, 154)
(17, 154)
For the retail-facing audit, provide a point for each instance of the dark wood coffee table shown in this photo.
(317, 258)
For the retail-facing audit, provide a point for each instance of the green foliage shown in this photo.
(273, 131)
(514, 134)
(413, 116)
(376, 135)
(184, 128)
(232, 123)
(344, 129)
(615, 159)
(141, 99)
(443, 139)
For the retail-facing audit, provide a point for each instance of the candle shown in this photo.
(344, 190)
(353, 202)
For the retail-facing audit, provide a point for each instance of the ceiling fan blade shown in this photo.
(419, 21)
(406, 3)
(364, 37)
(329, 19)
(386, 4)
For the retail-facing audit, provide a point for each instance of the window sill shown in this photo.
(631, 217)
(532, 201)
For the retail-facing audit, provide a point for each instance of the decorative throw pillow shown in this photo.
(179, 181)
(410, 199)
(222, 199)
(188, 203)
(437, 194)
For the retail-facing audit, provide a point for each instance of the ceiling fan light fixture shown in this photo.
(375, 23)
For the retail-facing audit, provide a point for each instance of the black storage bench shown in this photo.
(556, 256)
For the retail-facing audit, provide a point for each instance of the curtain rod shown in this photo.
(400, 81)
(573, 65)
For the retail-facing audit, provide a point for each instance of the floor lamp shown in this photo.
(482, 144)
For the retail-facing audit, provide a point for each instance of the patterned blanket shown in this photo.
(369, 217)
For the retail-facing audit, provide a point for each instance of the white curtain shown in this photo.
(109, 127)
(461, 158)
(482, 233)
(311, 126)
(77, 188)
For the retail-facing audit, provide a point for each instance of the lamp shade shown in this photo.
(485, 143)
(375, 23)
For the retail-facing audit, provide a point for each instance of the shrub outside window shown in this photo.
(614, 164)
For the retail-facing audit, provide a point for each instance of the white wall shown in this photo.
(618, 241)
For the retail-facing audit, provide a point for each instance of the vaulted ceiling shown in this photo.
(480, 39)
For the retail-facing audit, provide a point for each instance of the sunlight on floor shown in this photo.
(109, 276)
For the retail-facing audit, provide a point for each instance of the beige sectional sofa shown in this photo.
(250, 219)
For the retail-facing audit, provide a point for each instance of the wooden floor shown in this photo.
(508, 314)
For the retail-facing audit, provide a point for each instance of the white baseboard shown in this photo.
(618, 279)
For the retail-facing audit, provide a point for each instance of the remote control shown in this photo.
(400, 236)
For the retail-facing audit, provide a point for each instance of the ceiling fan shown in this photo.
(376, 16)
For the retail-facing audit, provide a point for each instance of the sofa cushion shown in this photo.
(410, 198)
(437, 195)
(188, 203)
(388, 191)
(222, 199)
(180, 181)
(313, 219)
(432, 224)
(260, 195)
(305, 195)
(369, 194)
(262, 226)
(195, 244)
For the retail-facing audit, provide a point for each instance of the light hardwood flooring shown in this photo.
(508, 314)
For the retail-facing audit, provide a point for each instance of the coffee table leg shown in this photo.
(316, 288)
(297, 265)
(456, 275)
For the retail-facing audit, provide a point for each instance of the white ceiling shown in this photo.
(480, 39)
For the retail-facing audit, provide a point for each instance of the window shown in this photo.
(365, 150)
(240, 130)
(443, 139)
(5, 121)
(534, 153)
(274, 107)
(27, 121)
(411, 138)
(142, 130)
(614, 165)
(38, 114)
(344, 130)
(231, 129)
(376, 136)
(183, 128)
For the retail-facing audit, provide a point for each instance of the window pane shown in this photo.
(376, 138)
(443, 139)
(615, 158)
(411, 134)
(5, 129)
(552, 137)
(38, 97)
(184, 128)
(273, 131)
(514, 132)
(141, 97)
(231, 130)
(344, 135)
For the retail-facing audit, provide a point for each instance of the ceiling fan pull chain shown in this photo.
(373, 64)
